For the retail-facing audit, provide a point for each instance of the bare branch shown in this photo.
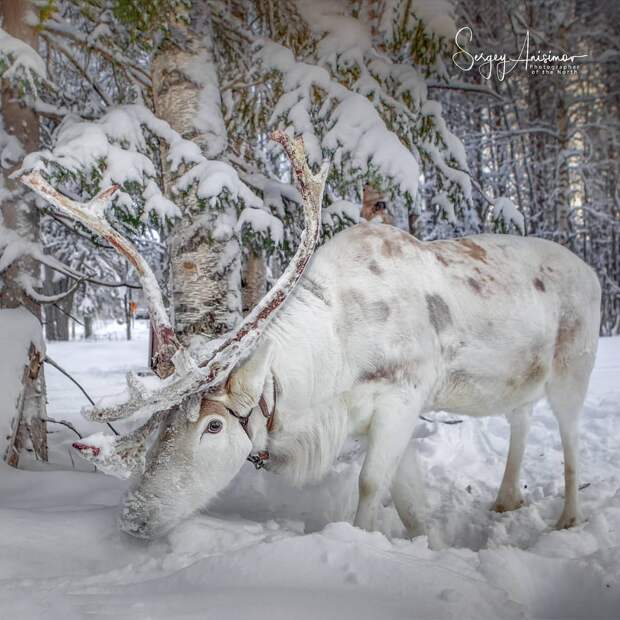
(68, 314)
(64, 423)
(465, 87)
(60, 369)
(45, 299)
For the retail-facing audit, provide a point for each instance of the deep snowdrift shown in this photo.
(265, 549)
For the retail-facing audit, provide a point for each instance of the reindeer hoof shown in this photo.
(507, 505)
(568, 520)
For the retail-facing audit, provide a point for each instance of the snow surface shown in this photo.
(18, 329)
(269, 550)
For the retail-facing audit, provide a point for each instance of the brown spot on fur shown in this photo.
(567, 332)
(359, 308)
(535, 371)
(390, 372)
(473, 250)
(374, 267)
(475, 285)
(442, 259)
(539, 284)
(391, 248)
(382, 373)
(438, 312)
(366, 488)
(378, 311)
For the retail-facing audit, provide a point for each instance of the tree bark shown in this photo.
(20, 214)
(254, 280)
(204, 255)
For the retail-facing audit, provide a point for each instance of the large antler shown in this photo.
(214, 370)
(121, 455)
(92, 215)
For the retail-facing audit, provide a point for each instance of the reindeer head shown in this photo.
(197, 420)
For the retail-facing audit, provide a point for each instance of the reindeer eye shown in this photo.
(214, 426)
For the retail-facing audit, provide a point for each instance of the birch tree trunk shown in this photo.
(254, 280)
(20, 214)
(203, 247)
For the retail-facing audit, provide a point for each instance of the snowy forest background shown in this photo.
(174, 99)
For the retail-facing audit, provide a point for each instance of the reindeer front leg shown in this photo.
(390, 430)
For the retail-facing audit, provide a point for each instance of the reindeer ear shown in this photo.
(246, 383)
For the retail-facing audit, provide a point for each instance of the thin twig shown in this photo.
(65, 423)
(60, 369)
(68, 314)
(76, 275)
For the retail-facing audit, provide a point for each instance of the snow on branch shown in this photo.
(506, 211)
(118, 149)
(370, 111)
(20, 63)
(358, 131)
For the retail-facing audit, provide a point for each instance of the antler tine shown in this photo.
(91, 215)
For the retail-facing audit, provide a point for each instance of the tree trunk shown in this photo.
(204, 255)
(88, 326)
(20, 214)
(128, 313)
(56, 315)
(254, 280)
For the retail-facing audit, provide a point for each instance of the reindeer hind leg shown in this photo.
(566, 391)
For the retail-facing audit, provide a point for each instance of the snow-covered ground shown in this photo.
(268, 550)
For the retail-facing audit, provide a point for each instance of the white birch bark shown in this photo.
(203, 247)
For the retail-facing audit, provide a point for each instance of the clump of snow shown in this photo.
(118, 142)
(504, 209)
(445, 204)
(260, 221)
(358, 132)
(437, 16)
(23, 61)
(340, 212)
(345, 39)
(18, 329)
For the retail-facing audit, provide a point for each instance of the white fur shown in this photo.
(383, 328)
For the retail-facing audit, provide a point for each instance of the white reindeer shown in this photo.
(378, 329)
